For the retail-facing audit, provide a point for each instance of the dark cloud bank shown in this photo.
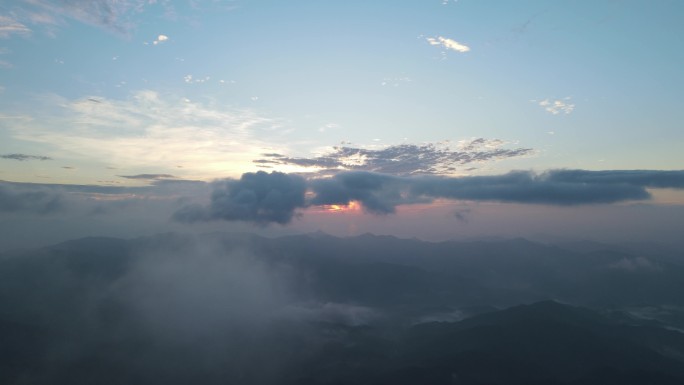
(261, 197)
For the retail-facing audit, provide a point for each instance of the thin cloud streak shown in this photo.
(10, 26)
(114, 15)
(24, 157)
(148, 176)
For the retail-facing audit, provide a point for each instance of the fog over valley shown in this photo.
(175, 308)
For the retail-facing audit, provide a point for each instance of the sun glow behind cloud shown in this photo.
(352, 207)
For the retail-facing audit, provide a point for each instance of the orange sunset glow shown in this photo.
(353, 206)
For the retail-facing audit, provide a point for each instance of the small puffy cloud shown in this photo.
(24, 157)
(558, 106)
(448, 44)
(160, 39)
(190, 79)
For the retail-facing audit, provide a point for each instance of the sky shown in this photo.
(431, 118)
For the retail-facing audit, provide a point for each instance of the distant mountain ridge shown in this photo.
(317, 309)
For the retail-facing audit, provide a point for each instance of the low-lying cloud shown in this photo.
(15, 198)
(276, 197)
(264, 198)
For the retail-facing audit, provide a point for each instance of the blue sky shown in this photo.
(127, 93)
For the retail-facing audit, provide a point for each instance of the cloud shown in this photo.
(527, 187)
(200, 286)
(189, 79)
(114, 15)
(463, 215)
(151, 129)
(117, 16)
(148, 176)
(28, 198)
(404, 159)
(558, 106)
(10, 26)
(257, 197)
(642, 178)
(160, 39)
(24, 157)
(263, 198)
(636, 264)
(329, 126)
(448, 44)
(395, 81)
(379, 194)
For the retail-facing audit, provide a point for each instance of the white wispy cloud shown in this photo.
(151, 130)
(558, 106)
(395, 81)
(115, 15)
(448, 44)
(329, 126)
(10, 26)
(118, 16)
